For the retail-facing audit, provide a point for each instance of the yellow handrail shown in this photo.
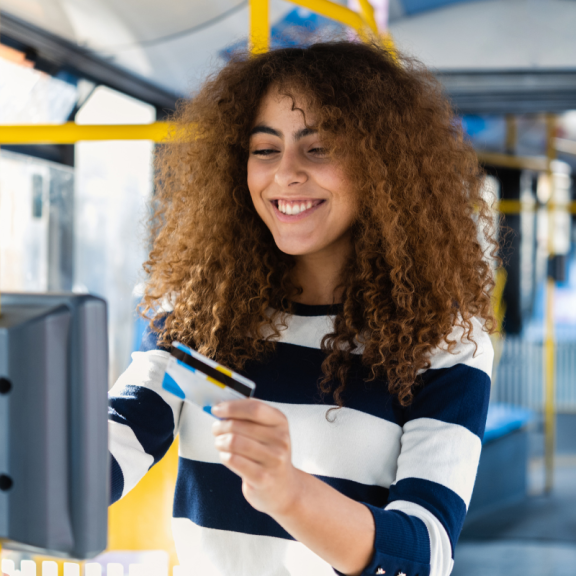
(70, 132)
(367, 11)
(343, 15)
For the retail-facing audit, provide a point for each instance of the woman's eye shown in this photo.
(318, 151)
(264, 152)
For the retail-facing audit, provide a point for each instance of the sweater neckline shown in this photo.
(315, 309)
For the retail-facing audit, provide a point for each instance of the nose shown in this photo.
(290, 171)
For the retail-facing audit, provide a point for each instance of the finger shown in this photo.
(267, 456)
(248, 470)
(264, 434)
(249, 409)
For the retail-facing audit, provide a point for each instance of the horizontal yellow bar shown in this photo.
(512, 206)
(539, 164)
(70, 133)
(516, 207)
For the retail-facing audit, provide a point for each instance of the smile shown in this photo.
(288, 210)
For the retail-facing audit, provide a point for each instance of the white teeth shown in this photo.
(292, 209)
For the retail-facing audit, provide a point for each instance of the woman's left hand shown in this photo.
(254, 442)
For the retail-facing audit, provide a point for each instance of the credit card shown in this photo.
(202, 381)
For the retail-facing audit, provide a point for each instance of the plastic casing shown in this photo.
(53, 424)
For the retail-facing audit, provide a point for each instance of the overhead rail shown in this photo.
(520, 91)
(71, 133)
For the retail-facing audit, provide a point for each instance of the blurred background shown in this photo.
(85, 88)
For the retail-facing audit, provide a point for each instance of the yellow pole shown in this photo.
(259, 26)
(549, 341)
(367, 12)
(336, 12)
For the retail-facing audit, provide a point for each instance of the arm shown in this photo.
(254, 443)
(337, 528)
(417, 530)
(143, 419)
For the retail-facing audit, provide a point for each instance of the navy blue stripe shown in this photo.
(291, 376)
(116, 480)
(400, 535)
(457, 395)
(445, 504)
(149, 416)
(375, 495)
(211, 496)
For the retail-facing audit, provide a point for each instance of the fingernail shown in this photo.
(216, 409)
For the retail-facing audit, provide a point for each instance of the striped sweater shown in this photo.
(413, 467)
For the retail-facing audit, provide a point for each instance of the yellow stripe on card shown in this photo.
(224, 370)
(210, 379)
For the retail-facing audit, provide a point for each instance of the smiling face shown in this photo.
(298, 190)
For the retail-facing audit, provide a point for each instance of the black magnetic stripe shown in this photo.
(209, 371)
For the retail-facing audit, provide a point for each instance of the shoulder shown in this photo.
(456, 387)
(473, 350)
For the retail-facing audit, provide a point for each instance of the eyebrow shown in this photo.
(263, 129)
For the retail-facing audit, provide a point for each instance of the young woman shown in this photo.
(319, 227)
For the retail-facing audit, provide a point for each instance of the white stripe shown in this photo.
(303, 330)
(309, 330)
(465, 352)
(196, 438)
(306, 331)
(129, 454)
(356, 446)
(441, 561)
(211, 552)
(440, 452)
(147, 370)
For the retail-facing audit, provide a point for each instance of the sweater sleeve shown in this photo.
(417, 531)
(143, 418)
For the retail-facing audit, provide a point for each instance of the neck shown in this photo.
(319, 274)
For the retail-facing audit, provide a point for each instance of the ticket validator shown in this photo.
(53, 427)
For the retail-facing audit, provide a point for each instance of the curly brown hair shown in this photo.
(418, 265)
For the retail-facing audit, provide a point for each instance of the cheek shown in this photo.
(344, 197)
(257, 182)
(257, 179)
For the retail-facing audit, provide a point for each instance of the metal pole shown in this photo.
(549, 341)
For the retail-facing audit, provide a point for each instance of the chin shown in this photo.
(295, 248)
